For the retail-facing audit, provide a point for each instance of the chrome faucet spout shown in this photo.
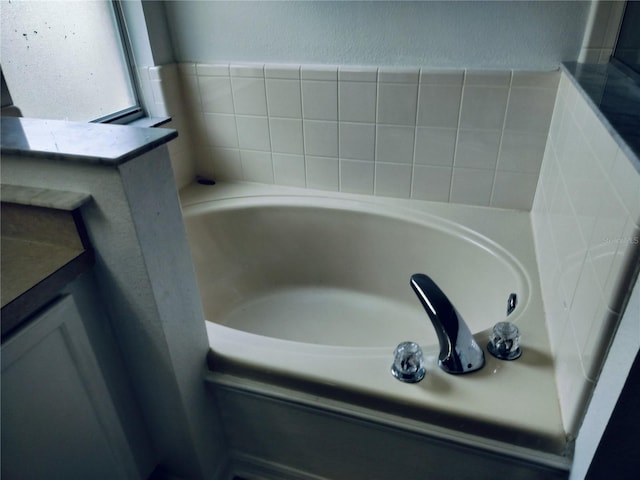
(459, 352)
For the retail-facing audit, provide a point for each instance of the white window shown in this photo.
(68, 60)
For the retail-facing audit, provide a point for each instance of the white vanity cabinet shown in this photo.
(58, 417)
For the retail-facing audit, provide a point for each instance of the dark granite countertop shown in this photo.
(616, 98)
(90, 142)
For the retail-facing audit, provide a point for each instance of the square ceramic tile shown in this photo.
(357, 101)
(441, 77)
(556, 308)
(187, 68)
(611, 220)
(203, 161)
(320, 138)
(439, 105)
(226, 164)
(322, 173)
(564, 85)
(602, 255)
(626, 181)
(286, 135)
(595, 349)
(536, 79)
(221, 130)
(394, 144)
(215, 94)
(289, 170)
(431, 183)
(583, 113)
(319, 72)
(249, 96)
(256, 166)
(319, 100)
(571, 94)
(569, 379)
(497, 78)
(283, 98)
(627, 242)
(612, 241)
(393, 180)
(569, 244)
(514, 190)
(397, 103)
(587, 299)
(356, 176)
(212, 69)
(283, 71)
(483, 107)
(253, 133)
(471, 186)
(477, 149)
(521, 152)
(348, 73)
(199, 133)
(584, 182)
(156, 90)
(191, 93)
(601, 142)
(357, 141)
(398, 75)
(530, 110)
(255, 70)
(435, 146)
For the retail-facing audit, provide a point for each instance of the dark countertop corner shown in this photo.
(615, 96)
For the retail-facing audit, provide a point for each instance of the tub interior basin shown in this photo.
(328, 272)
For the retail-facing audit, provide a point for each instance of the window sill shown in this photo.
(149, 122)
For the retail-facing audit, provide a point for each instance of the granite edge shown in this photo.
(164, 136)
(633, 157)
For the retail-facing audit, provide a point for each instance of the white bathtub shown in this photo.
(310, 290)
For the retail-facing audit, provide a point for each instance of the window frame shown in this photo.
(619, 61)
(137, 111)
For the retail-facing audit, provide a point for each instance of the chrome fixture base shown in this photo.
(512, 355)
(409, 378)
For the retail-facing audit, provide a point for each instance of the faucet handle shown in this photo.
(512, 303)
(408, 362)
(505, 341)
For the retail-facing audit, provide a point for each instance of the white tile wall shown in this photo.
(586, 221)
(584, 189)
(320, 99)
(164, 93)
(377, 125)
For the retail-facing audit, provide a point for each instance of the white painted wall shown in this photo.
(482, 34)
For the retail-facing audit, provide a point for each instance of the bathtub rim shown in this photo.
(548, 428)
